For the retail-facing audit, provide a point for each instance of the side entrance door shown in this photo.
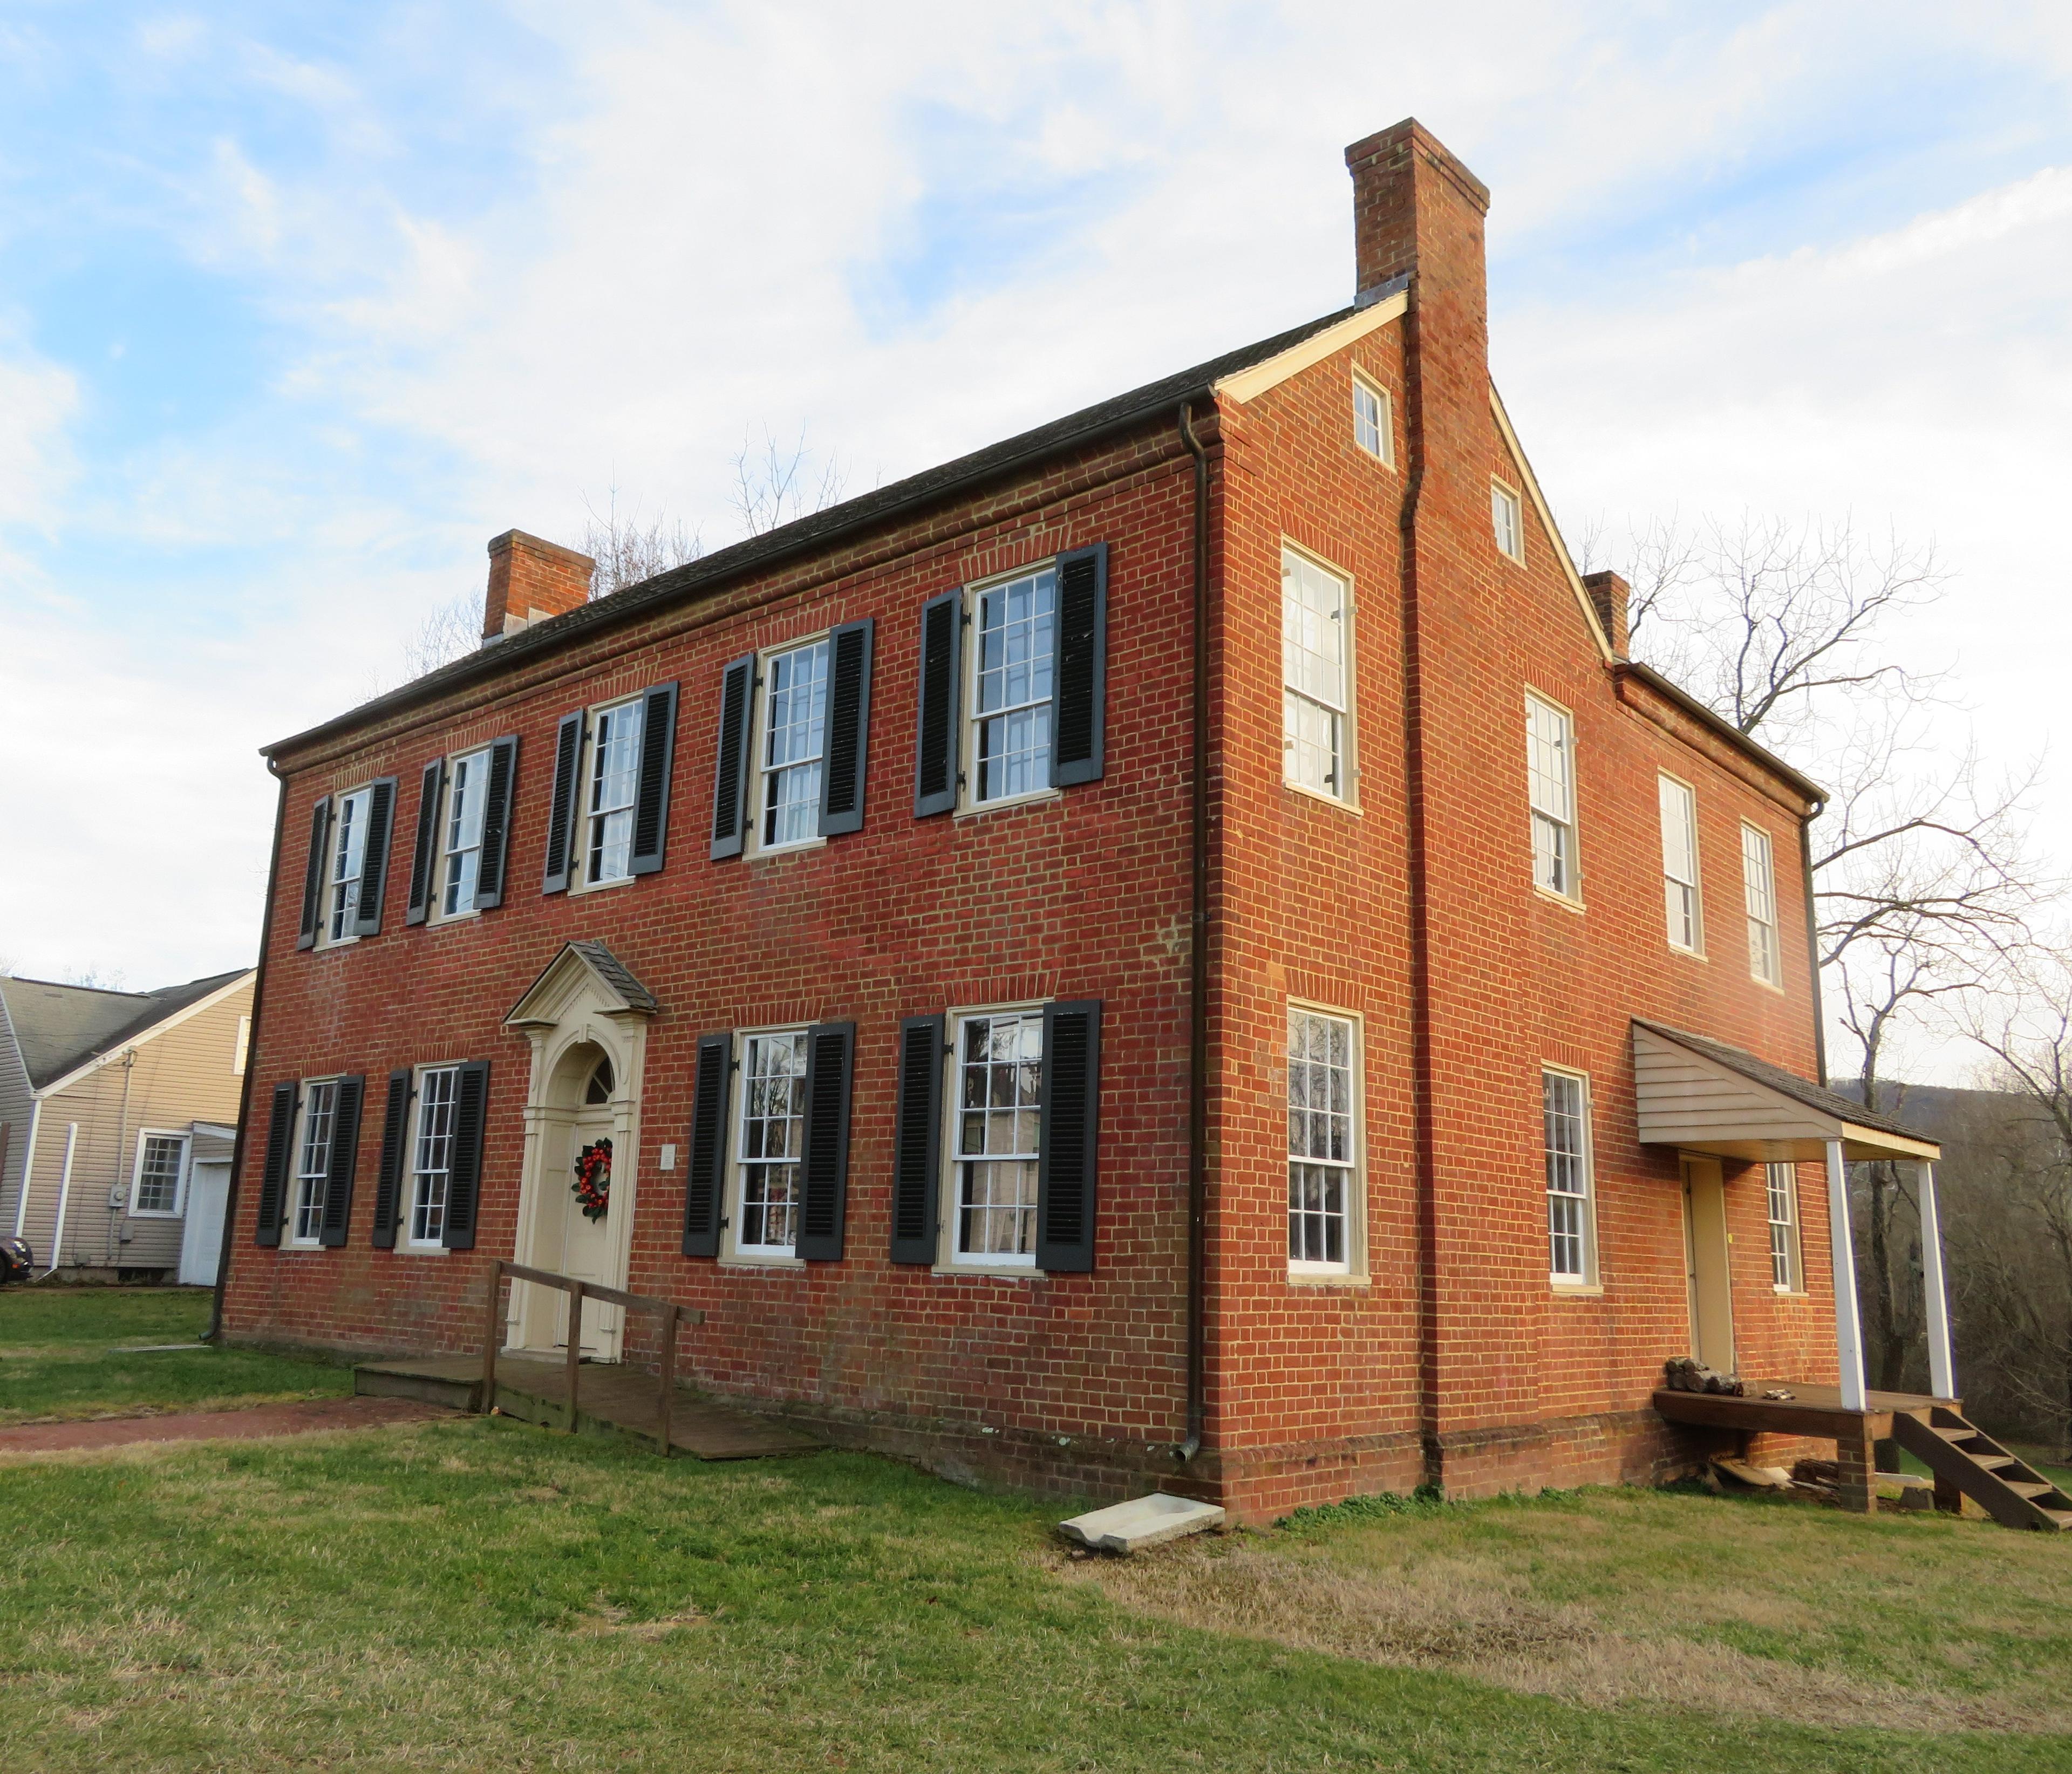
(201, 1238)
(1705, 1264)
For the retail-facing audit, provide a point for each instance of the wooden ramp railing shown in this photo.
(671, 1314)
(1964, 1458)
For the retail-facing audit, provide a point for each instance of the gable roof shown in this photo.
(59, 1028)
(804, 535)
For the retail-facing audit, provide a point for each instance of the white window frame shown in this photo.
(184, 1137)
(760, 768)
(1759, 897)
(347, 822)
(951, 1255)
(1542, 810)
(409, 1208)
(1383, 450)
(1586, 1158)
(1352, 1170)
(582, 879)
(1683, 897)
(451, 790)
(1508, 511)
(295, 1207)
(974, 721)
(1781, 1183)
(1343, 789)
(738, 1163)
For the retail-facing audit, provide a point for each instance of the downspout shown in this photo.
(28, 1167)
(251, 1069)
(1198, 968)
(1813, 941)
(1420, 932)
(64, 1196)
(110, 1249)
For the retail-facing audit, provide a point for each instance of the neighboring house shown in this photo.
(1343, 1043)
(120, 1109)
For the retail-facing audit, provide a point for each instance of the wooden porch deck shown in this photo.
(612, 1399)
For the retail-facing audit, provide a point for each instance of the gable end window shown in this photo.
(159, 1184)
(1759, 888)
(1507, 519)
(1373, 422)
(1316, 696)
(1550, 740)
(1324, 1219)
(1679, 863)
(1571, 1210)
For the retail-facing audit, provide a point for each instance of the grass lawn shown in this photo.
(481, 1594)
(61, 1356)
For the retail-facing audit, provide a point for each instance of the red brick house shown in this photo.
(1176, 949)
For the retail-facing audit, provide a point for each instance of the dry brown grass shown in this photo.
(1616, 1599)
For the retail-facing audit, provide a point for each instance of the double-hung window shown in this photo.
(1372, 429)
(1679, 862)
(431, 1157)
(1759, 886)
(1783, 1190)
(1315, 677)
(312, 1172)
(769, 1142)
(1507, 519)
(1323, 1143)
(1565, 1101)
(348, 864)
(1550, 739)
(995, 1128)
(613, 778)
(1014, 656)
(792, 745)
(467, 794)
(161, 1164)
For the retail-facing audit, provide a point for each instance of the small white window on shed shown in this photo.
(1508, 520)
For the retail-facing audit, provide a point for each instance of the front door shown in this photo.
(587, 1247)
(1705, 1264)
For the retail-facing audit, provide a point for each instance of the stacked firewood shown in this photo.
(1683, 1374)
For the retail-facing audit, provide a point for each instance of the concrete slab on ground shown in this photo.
(1140, 1522)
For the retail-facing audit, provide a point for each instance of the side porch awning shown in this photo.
(1703, 1096)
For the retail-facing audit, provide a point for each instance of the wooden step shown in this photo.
(1960, 1454)
(2022, 1487)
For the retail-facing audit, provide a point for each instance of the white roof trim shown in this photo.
(1547, 519)
(173, 1022)
(1248, 385)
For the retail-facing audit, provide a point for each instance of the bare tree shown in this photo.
(97, 977)
(627, 551)
(773, 485)
(449, 631)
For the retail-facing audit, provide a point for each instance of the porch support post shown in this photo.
(1848, 1328)
(1942, 1370)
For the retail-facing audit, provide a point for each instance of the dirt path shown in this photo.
(258, 1423)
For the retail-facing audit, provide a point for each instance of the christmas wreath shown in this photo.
(593, 1183)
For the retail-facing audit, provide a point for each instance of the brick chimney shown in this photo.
(529, 581)
(1609, 593)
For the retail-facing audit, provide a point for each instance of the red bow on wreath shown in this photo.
(593, 1183)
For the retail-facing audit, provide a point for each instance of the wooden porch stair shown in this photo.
(1965, 1459)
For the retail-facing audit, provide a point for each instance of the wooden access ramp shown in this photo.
(613, 1400)
(1966, 1459)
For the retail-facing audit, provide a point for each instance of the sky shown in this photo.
(300, 304)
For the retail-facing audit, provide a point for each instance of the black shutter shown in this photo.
(917, 1140)
(374, 860)
(313, 880)
(495, 823)
(935, 748)
(737, 697)
(1071, 1134)
(423, 850)
(1079, 746)
(562, 804)
(705, 1176)
(464, 1180)
(273, 1178)
(651, 799)
(395, 1148)
(848, 745)
(823, 1163)
(344, 1161)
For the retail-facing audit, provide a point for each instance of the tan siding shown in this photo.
(180, 1076)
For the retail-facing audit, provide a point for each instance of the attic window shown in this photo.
(1507, 519)
(1372, 429)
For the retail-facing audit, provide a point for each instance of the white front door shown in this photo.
(589, 1249)
(201, 1238)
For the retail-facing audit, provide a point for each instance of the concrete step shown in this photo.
(405, 1380)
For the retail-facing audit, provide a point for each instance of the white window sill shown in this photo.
(746, 1260)
(301, 1249)
(973, 810)
(1318, 796)
(1575, 1290)
(422, 1250)
(601, 886)
(325, 945)
(1767, 985)
(1568, 902)
(1327, 1278)
(157, 1213)
(440, 918)
(1790, 1293)
(800, 847)
(996, 1271)
(1688, 955)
